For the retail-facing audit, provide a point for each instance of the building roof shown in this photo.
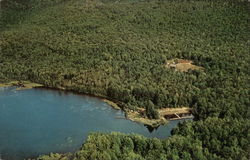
(184, 61)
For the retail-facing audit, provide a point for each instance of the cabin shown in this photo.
(184, 61)
(176, 113)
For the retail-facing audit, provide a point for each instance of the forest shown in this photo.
(118, 49)
(189, 141)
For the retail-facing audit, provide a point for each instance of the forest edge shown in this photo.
(165, 114)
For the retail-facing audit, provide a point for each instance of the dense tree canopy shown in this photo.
(211, 139)
(118, 50)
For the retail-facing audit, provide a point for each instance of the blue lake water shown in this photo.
(39, 121)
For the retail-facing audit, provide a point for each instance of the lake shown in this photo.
(39, 121)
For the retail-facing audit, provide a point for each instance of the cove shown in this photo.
(40, 121)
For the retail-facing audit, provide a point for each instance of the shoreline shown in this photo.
(21, 85)
(135, 116)
(132, 115)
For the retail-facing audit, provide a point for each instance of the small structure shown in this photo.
(184, 61)
(182, 65)
(176, 113)
(173, 66)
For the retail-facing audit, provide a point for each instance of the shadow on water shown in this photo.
(150, 128)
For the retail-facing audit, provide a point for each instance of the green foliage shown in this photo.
(118, 49)
(211, 139)
(228, 138)
(151, 112)
(55, 156)
(124, 147)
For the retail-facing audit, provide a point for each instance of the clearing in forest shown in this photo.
(182, 65)
(164, 113)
